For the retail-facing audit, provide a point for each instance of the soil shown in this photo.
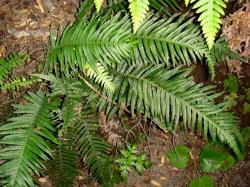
(25, 26)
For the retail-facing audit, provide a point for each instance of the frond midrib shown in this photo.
(87, 44)
(180, 99)
(19, 162)
(30, 131)
(174, 42)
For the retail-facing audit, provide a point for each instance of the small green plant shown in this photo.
(231, 84)
(203, 181)
(179, 156)
(6, 65)
(248, 94)
(214, 156)
(131, 157)
(246, 106)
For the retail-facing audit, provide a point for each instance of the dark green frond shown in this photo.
(92, 148)
(84, 9)
(172, 41)
(63, 167)
(25, 141)
(10, 62)
(165, 6)
(117, 5)
(98, 41)
(166, 96)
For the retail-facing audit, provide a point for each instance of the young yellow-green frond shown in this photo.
(98, 4)
(14, 83)
(210, 13)
(138, 9)
(100, 75)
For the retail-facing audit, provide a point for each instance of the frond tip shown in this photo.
(98, 4)
(210, 13)
(138, 9)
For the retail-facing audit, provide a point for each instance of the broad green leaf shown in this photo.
(179, 156)
(204, 181)
(214, 156)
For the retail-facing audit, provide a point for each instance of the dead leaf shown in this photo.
(155, 183)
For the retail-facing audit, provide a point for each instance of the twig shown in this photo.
(102, 96)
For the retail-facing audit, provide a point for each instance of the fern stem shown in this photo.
(102, 96)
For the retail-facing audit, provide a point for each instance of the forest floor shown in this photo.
(25, 26)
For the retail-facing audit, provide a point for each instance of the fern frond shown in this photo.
(165, 6)
(63, 168)
(165, 96)
(84, 9)
(219, 53)
(118, 5)
(93, 149)
(210, 13)
(172, 41)
(98, 4)
(138, 10)
(100, 75)
(63, 87)
(15, 83)
(98, 41)
(10, 62)
(25, 141)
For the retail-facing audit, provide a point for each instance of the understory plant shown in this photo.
(101, 63)
(131, 157)
(7, 64)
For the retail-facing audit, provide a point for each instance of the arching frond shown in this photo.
(138, 10)
(25, 141)
(210, 13)
(172, 41)
(166, 96)
(92, 148)
(98, 41)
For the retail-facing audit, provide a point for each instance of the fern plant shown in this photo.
(6, 65)
(25, 141)
(99, 63)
